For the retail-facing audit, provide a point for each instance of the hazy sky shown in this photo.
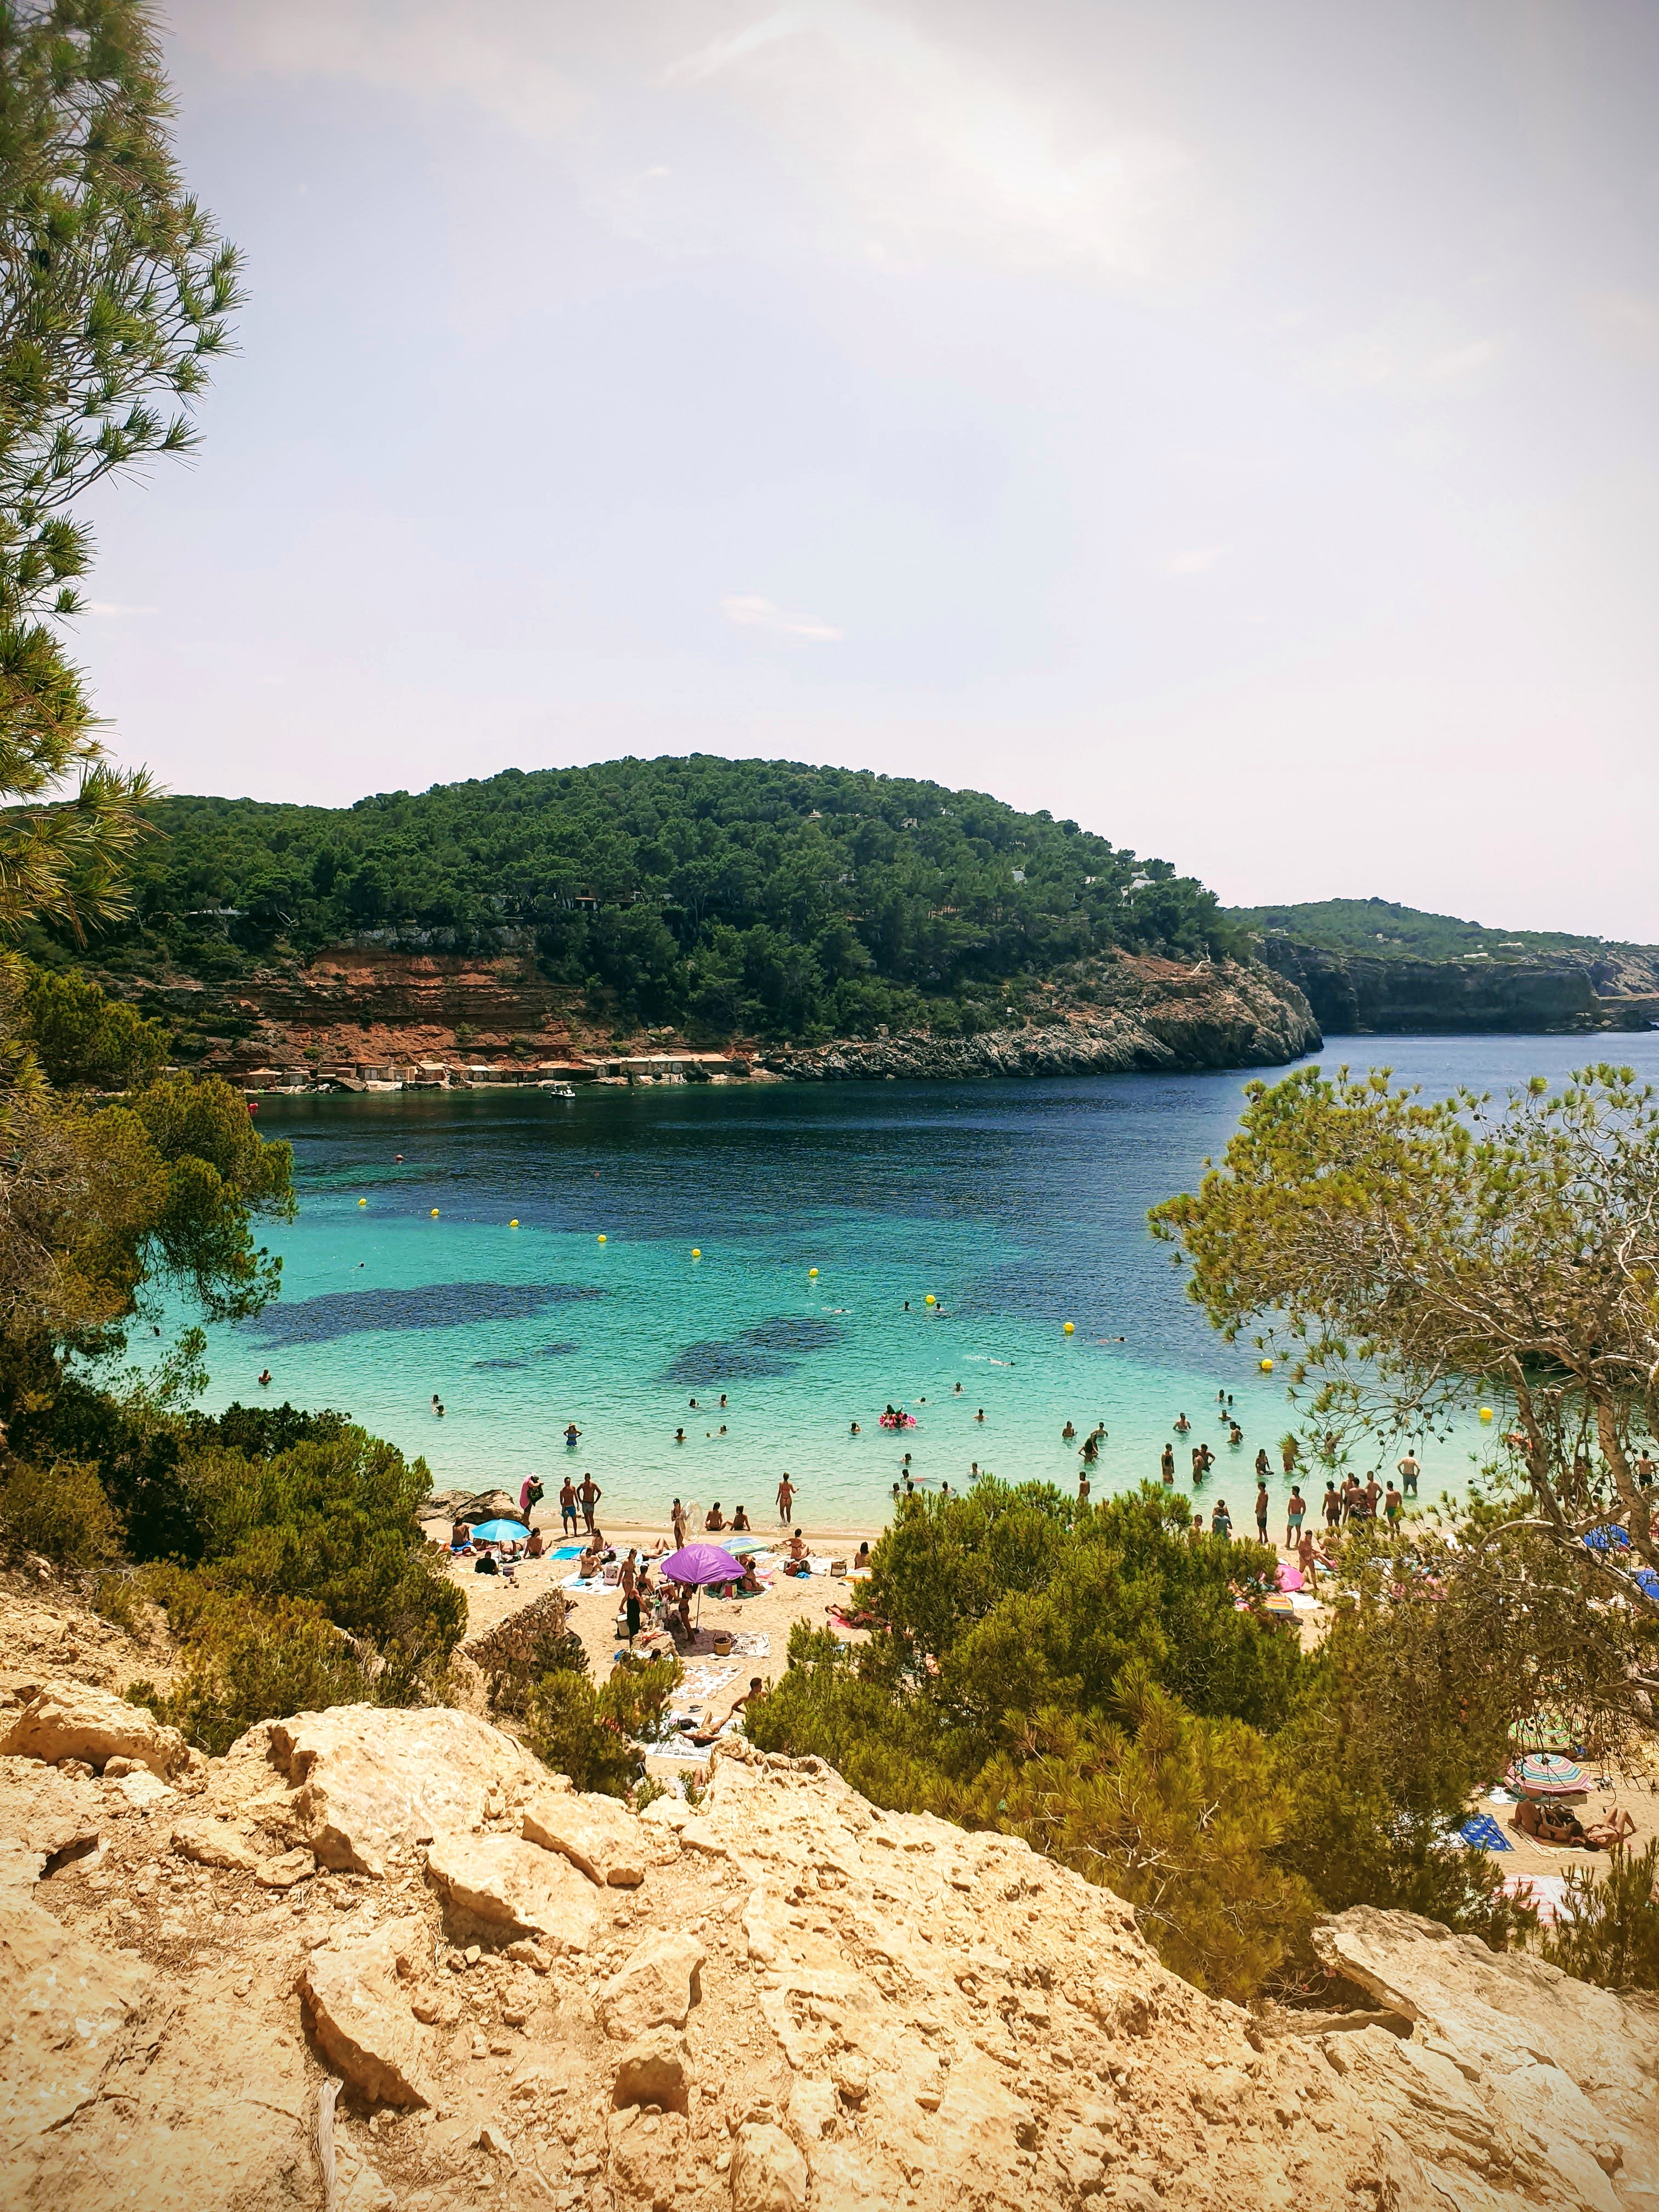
(1232, 423)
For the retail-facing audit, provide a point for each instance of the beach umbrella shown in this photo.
(699, 1564)
(499, 1532)
(1548, 1774)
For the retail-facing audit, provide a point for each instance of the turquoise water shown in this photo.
(1018, 1205)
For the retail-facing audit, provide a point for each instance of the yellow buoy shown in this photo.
(1071, 1329)
(434, 1213)
(362, 1202)
(601, 1240)
(931, 1300)
(1486, 1412)
(696, 1251)
(811, 1271)
(512, 1225)
(1267, 1367)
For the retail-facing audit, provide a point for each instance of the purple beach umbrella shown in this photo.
(701, 1564)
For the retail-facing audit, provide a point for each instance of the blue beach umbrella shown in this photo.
(499, 1532)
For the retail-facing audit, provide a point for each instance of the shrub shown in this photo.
(1612, 1933)
(587, 1730)
(59, 1511)
(246, 1664)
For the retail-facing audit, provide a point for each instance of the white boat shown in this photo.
(558, 1089)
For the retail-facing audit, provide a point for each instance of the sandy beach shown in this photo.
(713, 1682)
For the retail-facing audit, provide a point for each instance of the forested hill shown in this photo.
(1385, 930)
(739, 894)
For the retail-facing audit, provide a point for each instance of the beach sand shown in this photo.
(490, 1599)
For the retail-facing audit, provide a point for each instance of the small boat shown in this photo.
(558, 1089)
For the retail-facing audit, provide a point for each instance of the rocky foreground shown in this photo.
(375, 1959)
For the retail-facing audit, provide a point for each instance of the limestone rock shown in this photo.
(44, 1813)
(505, 1885)
(594, 1832)
(656, 1986)
(370, 1781)
(214, 1843)
(655, 2068)
(1566, 2076)
(358, 1996)
(59, 1719)
(769, 2174)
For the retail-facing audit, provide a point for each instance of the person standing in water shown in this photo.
(1166, 1464)
(785, 1500)
(1408, 1471)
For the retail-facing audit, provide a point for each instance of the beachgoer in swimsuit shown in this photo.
(265, 1375)
(1408, 1471)
(571, 1433)
(1261, 1513)
(588, 1494)
(980, 1416)
(1221, 1521)
(568, 1506)
(1068, 1432)
(1166, 1464)
(535, 1547)
(785, 1500)
(853, 1430)
(630, 1590)
(677, 1516)
(1082, 1490)
(1263, 1466)
(739, 1522)
(713, 1521)
(679, 1435)
(1295, 1510)
(1182, 1424)
(1393, 1507)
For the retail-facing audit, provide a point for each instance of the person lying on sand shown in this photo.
(1606, 1835)
(1547, 1823)
(756, 1689)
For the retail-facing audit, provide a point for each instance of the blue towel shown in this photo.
(1482, 1833)
(567, 1552)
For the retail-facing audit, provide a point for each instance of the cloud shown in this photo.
(750, 612)
(1194, 560)
(427, 52)
(1460, 362)
(928, 145)
(116, 607)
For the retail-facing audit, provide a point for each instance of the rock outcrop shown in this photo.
(1147, 1014)
(803, 2005)
(1363, 993)
(55, 1720)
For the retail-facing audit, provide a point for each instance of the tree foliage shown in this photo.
(1407, 1251)
(114, 291)
(754, 896)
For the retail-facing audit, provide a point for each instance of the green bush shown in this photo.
(59, 1511)
(1612, 1933)
(587, 1730)
(82, 1037)
(248, 1664)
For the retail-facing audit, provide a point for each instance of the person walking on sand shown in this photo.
(589, 1494)
(1307, 1558)
(568, 1506)
(785, 1500)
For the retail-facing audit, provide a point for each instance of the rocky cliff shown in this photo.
(1358, 993)
(378, 1959)
(370, 1006)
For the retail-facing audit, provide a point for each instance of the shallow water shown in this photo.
(1018, 1205)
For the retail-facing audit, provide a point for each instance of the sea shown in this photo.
(715, 1284)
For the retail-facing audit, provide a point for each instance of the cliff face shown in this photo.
(360, 1006)
(378, 1958)
(1356, 993)
(1160, 1015)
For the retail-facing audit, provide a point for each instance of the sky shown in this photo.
(1234, 423)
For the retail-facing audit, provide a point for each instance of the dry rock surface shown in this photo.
(784, 2000)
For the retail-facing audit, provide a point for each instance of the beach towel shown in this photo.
(1548, 1891)
(674, 1745)
(758, 1646)
(1482, 1833)
(702, 1682)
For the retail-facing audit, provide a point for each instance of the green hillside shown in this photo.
(740, 896)
(1386, 931)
